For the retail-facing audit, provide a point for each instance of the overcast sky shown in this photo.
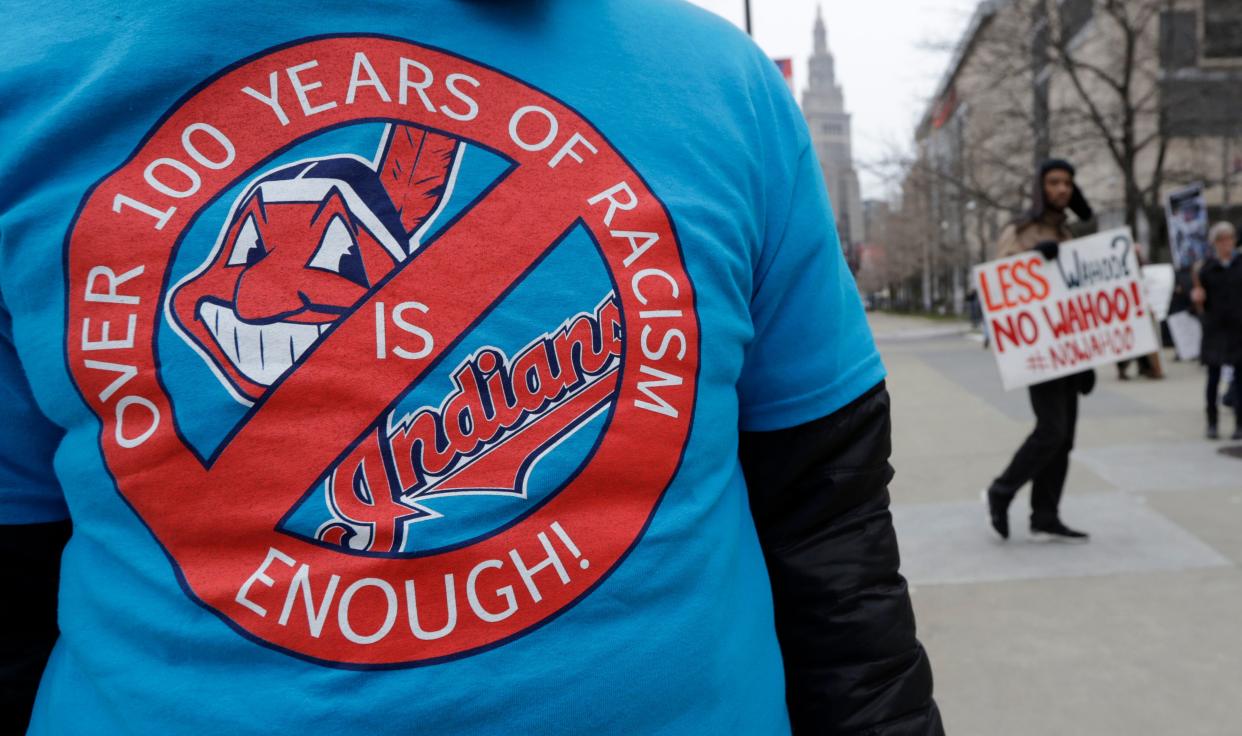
(889, 56)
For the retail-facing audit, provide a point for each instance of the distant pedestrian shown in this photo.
(1218, 297)
(975, 306)
(1043, 459)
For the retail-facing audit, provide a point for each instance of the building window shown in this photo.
(1179, 39)
(1222, 29)
(1074, 16)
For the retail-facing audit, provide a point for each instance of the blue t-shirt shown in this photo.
(390, 358)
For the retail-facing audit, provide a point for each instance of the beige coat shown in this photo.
(1020, 237)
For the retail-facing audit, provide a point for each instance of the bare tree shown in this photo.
(893, 264)
(1089, 80)
(1114, 101)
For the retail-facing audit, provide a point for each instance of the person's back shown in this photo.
(1222, 309)
(393, 354)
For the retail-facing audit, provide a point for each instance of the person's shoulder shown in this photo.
(1026, 222)
(725, 84)
(681, 18)
(1007, 241)
(692, 40)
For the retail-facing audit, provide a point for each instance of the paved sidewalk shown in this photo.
(889, 327)
(1133, 634)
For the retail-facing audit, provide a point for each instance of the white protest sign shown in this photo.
(1048, 319)
(1187, 334)
(1158, 282)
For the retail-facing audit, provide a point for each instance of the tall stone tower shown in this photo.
(823, 104)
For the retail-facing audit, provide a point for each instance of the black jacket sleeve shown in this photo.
(29, 567)
(820, 500)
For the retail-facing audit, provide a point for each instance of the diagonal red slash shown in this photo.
(458, 278)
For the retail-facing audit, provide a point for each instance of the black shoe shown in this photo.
(1212, 433)
(1055, 531)
(998, 510)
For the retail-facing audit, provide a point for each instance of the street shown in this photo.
(1132, 634)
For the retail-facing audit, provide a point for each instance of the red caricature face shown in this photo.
(285, 272)
(300, 253)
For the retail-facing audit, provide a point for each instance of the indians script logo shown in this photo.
(391, 334)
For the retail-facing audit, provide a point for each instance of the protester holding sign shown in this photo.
(1043, 459)
(1218, 296)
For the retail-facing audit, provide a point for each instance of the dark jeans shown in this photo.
(1213, 391)
(1043, 458)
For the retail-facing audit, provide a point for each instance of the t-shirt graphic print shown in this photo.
(368, 366)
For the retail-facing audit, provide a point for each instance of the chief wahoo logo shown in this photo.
(303, 246)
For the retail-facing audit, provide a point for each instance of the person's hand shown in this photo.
(1049, 249)
(1198, 296)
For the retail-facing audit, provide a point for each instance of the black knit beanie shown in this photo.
(1078, 202)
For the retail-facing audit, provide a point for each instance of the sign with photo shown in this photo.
(1187, 215)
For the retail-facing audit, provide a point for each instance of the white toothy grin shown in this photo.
(260, 352)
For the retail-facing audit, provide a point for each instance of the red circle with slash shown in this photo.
(218, 519)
